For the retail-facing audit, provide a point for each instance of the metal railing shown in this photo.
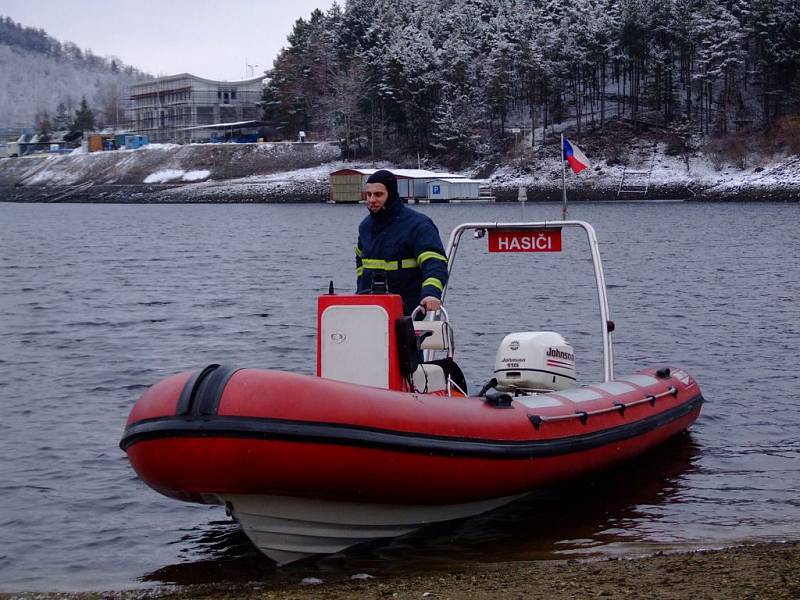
(606, 326)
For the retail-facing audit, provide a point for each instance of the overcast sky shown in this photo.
(211, 39)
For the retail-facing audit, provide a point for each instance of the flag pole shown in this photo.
(563, 182)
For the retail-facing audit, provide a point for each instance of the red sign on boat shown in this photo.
(525, 240)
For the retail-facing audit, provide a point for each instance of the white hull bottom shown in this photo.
(287, 529)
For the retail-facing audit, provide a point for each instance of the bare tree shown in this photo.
(342, 106)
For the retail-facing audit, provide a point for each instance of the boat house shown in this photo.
(461, 189)
(347, 185)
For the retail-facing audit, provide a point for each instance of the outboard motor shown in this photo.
(535, 360)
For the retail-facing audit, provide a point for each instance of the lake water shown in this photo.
(99, 301)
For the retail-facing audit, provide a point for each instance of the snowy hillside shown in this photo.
(39, 73)
(161, 164)
(775, 178)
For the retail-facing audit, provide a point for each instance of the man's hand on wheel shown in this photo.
(430, 303)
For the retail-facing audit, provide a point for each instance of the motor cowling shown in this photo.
(535, 360)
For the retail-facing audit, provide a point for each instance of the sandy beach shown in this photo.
(759, 571)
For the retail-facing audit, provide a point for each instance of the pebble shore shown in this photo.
(765, 571)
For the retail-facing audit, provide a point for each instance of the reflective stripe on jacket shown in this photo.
(405, 245)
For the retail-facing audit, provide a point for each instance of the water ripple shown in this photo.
(91, 314)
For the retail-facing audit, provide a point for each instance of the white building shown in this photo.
(448, 189)
(171, 109)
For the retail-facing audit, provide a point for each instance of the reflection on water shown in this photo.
(218, 551)
(596, 515)
(99, 301)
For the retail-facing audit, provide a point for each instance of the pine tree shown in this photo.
(62, 119)
(450, 75)
(416, 69)
(456, 128)
(84, 117)
(776, 33)
(301, 74)
(720, 56)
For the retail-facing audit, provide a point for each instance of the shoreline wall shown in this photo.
(318, 192)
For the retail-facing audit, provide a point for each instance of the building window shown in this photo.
(205, 115)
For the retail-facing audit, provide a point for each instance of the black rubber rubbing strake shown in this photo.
(210, 389)
(187, 396)
(400, 441)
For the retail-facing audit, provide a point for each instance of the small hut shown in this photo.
(448, 189)
(347, 185)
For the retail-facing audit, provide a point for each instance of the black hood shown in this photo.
(389, 181)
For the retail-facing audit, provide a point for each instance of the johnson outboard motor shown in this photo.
(535, 361)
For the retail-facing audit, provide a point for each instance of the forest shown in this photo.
(459, 77)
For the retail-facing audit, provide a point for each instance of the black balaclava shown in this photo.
(389, 181)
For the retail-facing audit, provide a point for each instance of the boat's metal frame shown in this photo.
(606, 325)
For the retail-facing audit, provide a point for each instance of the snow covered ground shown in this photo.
(780, 175)
(213, 173)
(169, 175)
(297, 176)
(310, 180)
(163, 163)
(704, 174)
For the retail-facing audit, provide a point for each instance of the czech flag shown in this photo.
(577, 159)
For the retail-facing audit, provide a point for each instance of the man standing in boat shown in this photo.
(402, 244)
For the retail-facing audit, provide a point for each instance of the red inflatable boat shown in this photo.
(378, 444)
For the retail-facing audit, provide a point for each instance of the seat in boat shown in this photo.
(429, 378)
(433, 375)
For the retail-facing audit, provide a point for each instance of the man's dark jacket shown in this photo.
(406, 246)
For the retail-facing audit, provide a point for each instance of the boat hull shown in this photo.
(288, 529)
(296, 457)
